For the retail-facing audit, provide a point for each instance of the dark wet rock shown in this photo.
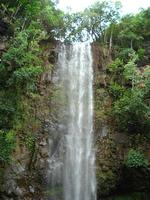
(5, 28)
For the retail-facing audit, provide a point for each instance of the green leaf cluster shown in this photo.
(30, 143)
(7, 144)
(131, 113)
(132, 31)
(129, 88)
(21, 13)
(27, 23)
(21, 64)
(135, 159)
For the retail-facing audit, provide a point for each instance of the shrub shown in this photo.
(21, 63)
(141, 53)
(135, 159)
(7, 144)
(131, 113)
(30, 143)
(130, 94)
(126, 54)
(25, 77)
(8, 109)
(116, 90)
(115, 66)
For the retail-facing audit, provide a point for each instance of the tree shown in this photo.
(21, 63)
(129, 88)
(99, 16)
(92, 23)
(132, 31)
(22, 12)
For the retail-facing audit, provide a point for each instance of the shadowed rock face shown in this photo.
(5, 28)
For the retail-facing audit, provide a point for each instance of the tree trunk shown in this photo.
(110, 42)
(131, 44)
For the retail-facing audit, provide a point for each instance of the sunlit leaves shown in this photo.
(91, 23)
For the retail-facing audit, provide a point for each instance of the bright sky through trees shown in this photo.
(129, 6)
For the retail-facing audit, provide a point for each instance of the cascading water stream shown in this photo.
(75, 62)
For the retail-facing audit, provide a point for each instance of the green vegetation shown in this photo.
(134, 196)
(7, 144)
(21, 65)
(133, 30)
(30, 143)
(135, 159)
(27, 23)
(26, 26)
(129, 89)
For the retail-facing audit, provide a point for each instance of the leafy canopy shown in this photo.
(92, 22)
(129, 88)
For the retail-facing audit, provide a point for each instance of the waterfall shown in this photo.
(76, 74)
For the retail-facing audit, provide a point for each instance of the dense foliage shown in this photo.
(22, 12)
(135, 159)
(129, 73)
(129, 88)
(7, 144)
(133, 30)
(25, 23)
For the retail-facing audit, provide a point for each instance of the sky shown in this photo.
(129, 6)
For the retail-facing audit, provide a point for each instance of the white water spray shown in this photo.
(75, 62)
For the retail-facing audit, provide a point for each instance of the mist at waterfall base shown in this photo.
(76, 79)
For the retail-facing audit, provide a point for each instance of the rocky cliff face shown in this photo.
(35, 170)
(112, 146)
(35, 154)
